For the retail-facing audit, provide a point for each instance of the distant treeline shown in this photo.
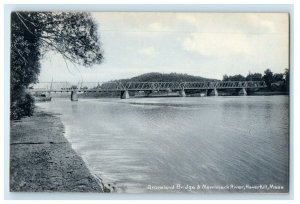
(274, 81)
(160, 77)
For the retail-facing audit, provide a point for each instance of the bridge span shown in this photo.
(209, 87)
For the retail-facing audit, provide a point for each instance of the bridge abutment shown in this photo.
(125, 94)
(74, 95)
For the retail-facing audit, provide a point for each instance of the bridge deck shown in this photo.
(143, 86)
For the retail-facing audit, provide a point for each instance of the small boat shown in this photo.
(42, 97)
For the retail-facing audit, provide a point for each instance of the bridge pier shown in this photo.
(147, 93)
(212, 92)
(182, 93)
(125, 94)
(203, 93)
(215, 92)
(74, 96)
(242, 92)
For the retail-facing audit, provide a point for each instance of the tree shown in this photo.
(287, 79)
(237, 77)
(254, 77)
(268, 77)
(225, 77)
(277, 77)
(73, 35)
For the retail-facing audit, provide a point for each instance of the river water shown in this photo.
(197, 144)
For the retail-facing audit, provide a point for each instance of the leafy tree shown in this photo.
(237, 77)
(268, 77)
(73, 35)
(254, 77)
(277, 77)
(225, 77)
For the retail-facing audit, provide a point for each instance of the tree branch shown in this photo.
(25, 61)
(68, 66)
(26, 19)
(58, 50)
(24, 24)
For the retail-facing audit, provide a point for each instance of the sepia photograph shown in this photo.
(149, 102)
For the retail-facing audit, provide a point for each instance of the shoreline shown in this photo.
(43, 160)
(258, 93)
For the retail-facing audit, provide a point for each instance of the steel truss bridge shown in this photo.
(210, 87)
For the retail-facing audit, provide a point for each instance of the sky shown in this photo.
(202, 44)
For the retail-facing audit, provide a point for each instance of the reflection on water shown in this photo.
(189, 141)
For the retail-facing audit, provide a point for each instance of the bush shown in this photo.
(22, 107)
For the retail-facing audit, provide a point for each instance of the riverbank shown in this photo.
(42, 160)
(269, 93)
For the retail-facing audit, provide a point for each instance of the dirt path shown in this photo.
(42, 160)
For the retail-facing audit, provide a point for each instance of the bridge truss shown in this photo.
(143, 86)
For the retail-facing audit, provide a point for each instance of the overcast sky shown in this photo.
(203, 44)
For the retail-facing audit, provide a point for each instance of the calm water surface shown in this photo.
(216, 141)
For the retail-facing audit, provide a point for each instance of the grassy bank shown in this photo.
(42, 160)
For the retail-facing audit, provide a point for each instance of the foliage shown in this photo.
(160, 77)
(73, 35)
(225, 78)
(277, 77)
(268, 78)
(237, 77)
(22, 107)
(254, 77)
(287, 79)
(275, 82)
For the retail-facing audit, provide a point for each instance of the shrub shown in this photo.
(22, 107)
